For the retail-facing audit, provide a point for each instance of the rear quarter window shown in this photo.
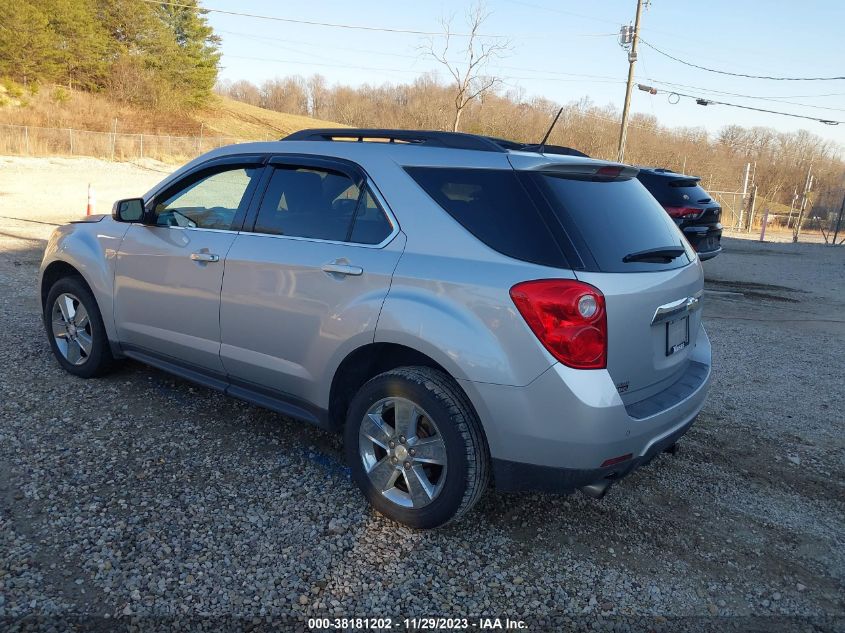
(611, 219)
(493, 205)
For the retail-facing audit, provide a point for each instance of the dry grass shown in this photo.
(54, 107)
(60, 122)
(232, 118)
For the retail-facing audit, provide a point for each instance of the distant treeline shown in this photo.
(155, 55)
(780, 159)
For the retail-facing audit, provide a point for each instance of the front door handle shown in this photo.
(343, 269)
(205, 257)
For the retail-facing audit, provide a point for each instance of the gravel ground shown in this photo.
(142, 502)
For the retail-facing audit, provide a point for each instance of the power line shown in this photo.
(575, 76)
(418, 57)
(744, 96)
(773, 98)
(359, 27)
(704, 102)
(725, 72)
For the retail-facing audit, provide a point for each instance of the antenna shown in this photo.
(548, 132)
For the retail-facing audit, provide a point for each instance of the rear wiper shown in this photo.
(662, 254)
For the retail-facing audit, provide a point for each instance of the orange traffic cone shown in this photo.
(92, 201)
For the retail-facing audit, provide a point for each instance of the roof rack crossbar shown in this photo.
(453, 140)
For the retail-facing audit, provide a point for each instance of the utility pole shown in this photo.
(632, 58)
(839, 220)
(796, 231)
(792, 207)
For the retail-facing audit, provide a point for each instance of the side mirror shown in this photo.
(129, 210)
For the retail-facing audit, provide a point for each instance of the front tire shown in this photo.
(416, 448)
(75, 329)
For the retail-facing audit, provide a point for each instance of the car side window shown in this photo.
(308, 202)
(208, 203)
(371, 223)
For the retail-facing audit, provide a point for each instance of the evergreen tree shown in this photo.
(194, 65)
(79, 42)
(26, 43)
(157, 55)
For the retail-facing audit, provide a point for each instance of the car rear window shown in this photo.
(493, 205)
(612, 219)
(674, 191)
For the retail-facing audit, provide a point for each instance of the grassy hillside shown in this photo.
(56, 107)
(240, 120)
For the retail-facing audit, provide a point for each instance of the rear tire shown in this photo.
(416, 448)
(75, 329)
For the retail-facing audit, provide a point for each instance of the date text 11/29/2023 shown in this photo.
(415, 624)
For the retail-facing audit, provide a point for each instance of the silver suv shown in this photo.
(465, 310)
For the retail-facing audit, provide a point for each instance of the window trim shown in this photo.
(354, 171)
(201, 171)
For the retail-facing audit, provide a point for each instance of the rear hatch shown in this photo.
(683, 197)
(620, 240)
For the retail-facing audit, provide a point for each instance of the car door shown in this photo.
(305, 285)
(169, 269)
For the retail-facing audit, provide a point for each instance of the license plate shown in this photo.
(677, 335)
(710, 244)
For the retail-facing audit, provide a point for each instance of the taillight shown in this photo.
(683, 212)
(609, 171)
(568, 317)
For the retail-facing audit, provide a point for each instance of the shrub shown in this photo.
(13, 89)
(60, 95)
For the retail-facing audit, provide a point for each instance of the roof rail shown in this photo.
(454, 140)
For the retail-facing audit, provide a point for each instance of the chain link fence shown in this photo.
(30, 140)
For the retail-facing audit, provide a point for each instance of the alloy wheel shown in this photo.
(72, 329)
(403, 453)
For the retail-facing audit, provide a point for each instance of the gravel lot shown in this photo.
(140, 500)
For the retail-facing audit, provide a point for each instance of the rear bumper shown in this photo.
(556, 432)
(706, 239)
(516, 476)
(709, 254)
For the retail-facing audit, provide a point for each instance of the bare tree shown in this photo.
(470, 81)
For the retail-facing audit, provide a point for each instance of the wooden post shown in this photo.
(765, 222)
(70, 132)
(752, 202)
(796, 231)
(142, 144)
(839, 221)
(113, 137)
(26, 138)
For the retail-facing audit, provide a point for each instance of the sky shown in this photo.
(566, 50)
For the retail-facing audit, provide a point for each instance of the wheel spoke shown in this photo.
(62, 344)
(405, 416)
(59, 328)
(66, 306)
(85, 342)
(73, 352)
(81, 318)
(430, 450)
(383, 474)
(420, 488)
(376, 429)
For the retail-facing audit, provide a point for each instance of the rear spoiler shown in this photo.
(574, 166)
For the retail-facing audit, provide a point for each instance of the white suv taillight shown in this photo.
(568, 317)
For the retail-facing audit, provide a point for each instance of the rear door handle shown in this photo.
(343, 269)
(205, 257)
